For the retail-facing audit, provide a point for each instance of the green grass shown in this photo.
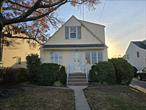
(39, 98)
(115, 98)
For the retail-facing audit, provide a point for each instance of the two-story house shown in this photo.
(136, 54)
(15, 51)
(76, 45)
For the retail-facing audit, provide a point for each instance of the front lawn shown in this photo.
(39, 98)
(115, 98)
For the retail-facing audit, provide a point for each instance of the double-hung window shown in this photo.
(93, 57)
(72, 32)
(87, 57)
(56, 57)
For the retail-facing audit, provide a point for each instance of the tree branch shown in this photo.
(16, 20)
(10, 36)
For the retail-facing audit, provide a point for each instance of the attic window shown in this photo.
(73, 32)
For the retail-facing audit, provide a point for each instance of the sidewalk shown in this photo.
(80, 99)
(140, 85)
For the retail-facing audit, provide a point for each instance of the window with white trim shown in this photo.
(94, 57)
(100, 56)
(91, 57)
(73, 32)
(56, 57)
(87, 57)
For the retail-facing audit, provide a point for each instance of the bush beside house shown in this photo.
(33, 62)
(124, 70)
(47, 74)
(103, 72)
(13, 75)
(115, 71)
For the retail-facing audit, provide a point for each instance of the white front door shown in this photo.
(77, 62)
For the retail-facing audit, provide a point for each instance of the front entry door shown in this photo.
(77, 62)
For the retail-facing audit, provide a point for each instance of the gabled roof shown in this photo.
(84, 25)
(140, 44)
(74, 46)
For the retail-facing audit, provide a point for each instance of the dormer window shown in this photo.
(72, 32)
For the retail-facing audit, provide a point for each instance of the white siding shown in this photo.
(86, 37)
(132, 58)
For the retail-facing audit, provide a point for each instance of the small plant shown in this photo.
(58, 84)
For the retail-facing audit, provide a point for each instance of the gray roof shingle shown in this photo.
(140, 44)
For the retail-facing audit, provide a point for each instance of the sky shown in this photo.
(125, 21)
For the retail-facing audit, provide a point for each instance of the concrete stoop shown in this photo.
(77, 79)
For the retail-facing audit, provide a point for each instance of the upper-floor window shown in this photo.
(137, 53)
(72, 32)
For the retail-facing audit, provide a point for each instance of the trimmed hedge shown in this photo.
(124, 70)
(103, 72)
(48, 73)
(13, 75)
(115, 71)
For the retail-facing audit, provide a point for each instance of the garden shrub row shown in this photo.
(115, 71)
(103, 72)
(13, 75)
(48, 73)
(45, 74)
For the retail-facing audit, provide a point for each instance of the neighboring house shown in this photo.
(15, 51)
(76, 45)
(136, 54)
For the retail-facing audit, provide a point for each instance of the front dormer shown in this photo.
(76, 31)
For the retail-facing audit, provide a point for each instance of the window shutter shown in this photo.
(66, 32)
(79, 32)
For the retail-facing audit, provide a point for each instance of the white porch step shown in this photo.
(77, 79)
(77, 84)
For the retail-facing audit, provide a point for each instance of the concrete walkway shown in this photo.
(80, 99)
